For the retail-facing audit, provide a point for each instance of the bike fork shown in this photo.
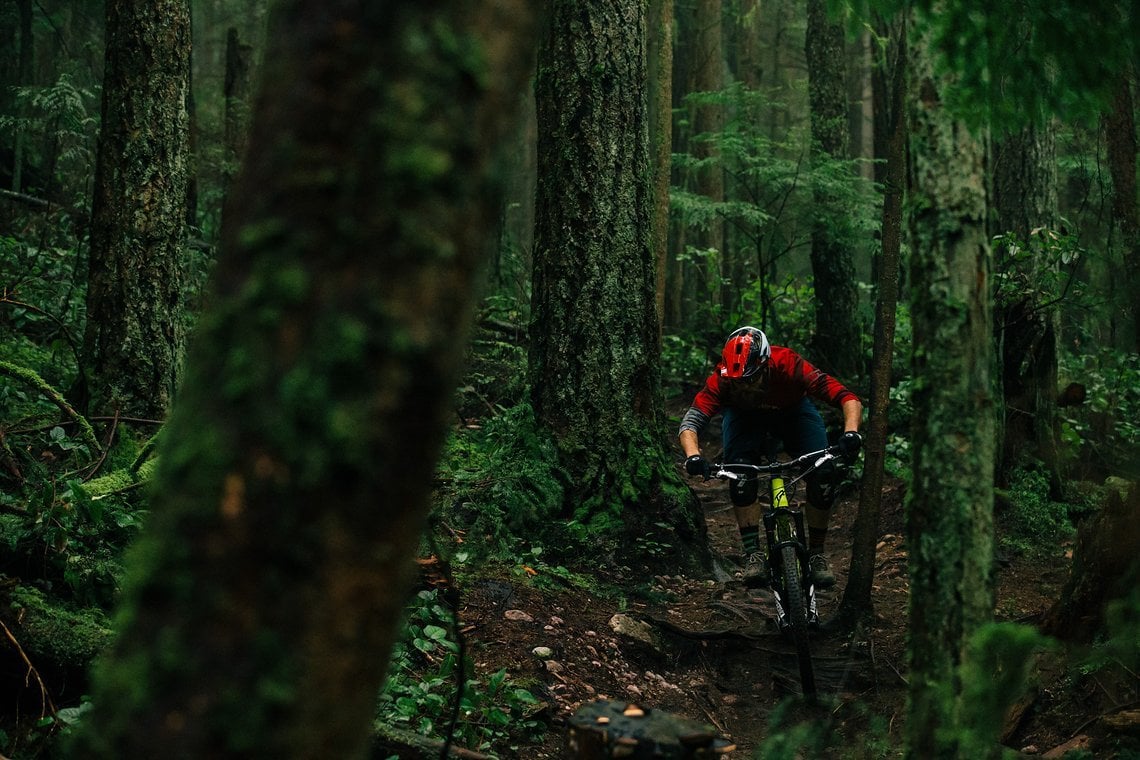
(772, 518)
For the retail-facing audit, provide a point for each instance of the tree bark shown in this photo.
(708, 122)
(837, 343)
(135, 322)
(660, 48)
(264, 596)
(594, 363)
(950, 505)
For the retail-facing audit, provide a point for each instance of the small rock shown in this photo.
(624, 625)
(542, 653)
(518, 616)
(556, 620)
(553, 666)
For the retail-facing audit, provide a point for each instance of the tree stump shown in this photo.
(1105, 567)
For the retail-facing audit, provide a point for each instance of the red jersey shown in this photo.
(790, 379)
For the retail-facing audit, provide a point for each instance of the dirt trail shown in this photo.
(720, 659)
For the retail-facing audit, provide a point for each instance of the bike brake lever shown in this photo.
(827, 457)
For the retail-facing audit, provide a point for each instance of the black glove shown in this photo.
(849, 445)
(696, 465)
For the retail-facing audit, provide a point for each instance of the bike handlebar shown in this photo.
(816, 459)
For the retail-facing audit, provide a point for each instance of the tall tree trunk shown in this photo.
(749, 46)
(660, 49)
(837, 342)
(135, 325)
(950, 505)
(708, 122)
(1027, 317)
(858, 100)
(24, 56)
(594, 365)
(1120, 132)
(236, 91)
(265, 594)
(856, 605)
(679, 273)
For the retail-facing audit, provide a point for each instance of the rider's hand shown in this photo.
(849, 445)
(696, 465)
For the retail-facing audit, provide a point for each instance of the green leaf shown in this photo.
(435, 632)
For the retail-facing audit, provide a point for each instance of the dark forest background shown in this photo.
(293, 293)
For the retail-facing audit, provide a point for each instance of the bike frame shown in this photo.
(783, 522)
(784, 527)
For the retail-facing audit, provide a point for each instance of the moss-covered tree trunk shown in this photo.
(659, 44)
(265, 594)
(135, 323)
(891, 109)
(950, 505)
(837, 343)
(594, 359)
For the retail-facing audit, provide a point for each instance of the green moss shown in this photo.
(122, 479)
(58, 633)
(32, 379)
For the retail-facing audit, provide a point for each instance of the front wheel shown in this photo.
(795, 607)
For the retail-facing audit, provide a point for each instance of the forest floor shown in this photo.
(721, 662)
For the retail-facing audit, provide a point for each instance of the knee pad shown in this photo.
(823, 486)
(743, 492)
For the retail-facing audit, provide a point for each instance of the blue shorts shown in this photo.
(752, 435)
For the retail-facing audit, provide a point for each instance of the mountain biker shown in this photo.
(764, 391)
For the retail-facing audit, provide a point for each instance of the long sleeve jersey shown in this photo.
(790, 379)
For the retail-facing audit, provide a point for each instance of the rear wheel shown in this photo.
(795, 606)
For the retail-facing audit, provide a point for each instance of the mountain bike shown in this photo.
(788, 573)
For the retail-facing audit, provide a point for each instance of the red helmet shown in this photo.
(746, 353)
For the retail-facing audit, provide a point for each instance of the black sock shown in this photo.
(750, 537)
(817, 538)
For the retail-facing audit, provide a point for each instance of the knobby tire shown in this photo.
(795, 605)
